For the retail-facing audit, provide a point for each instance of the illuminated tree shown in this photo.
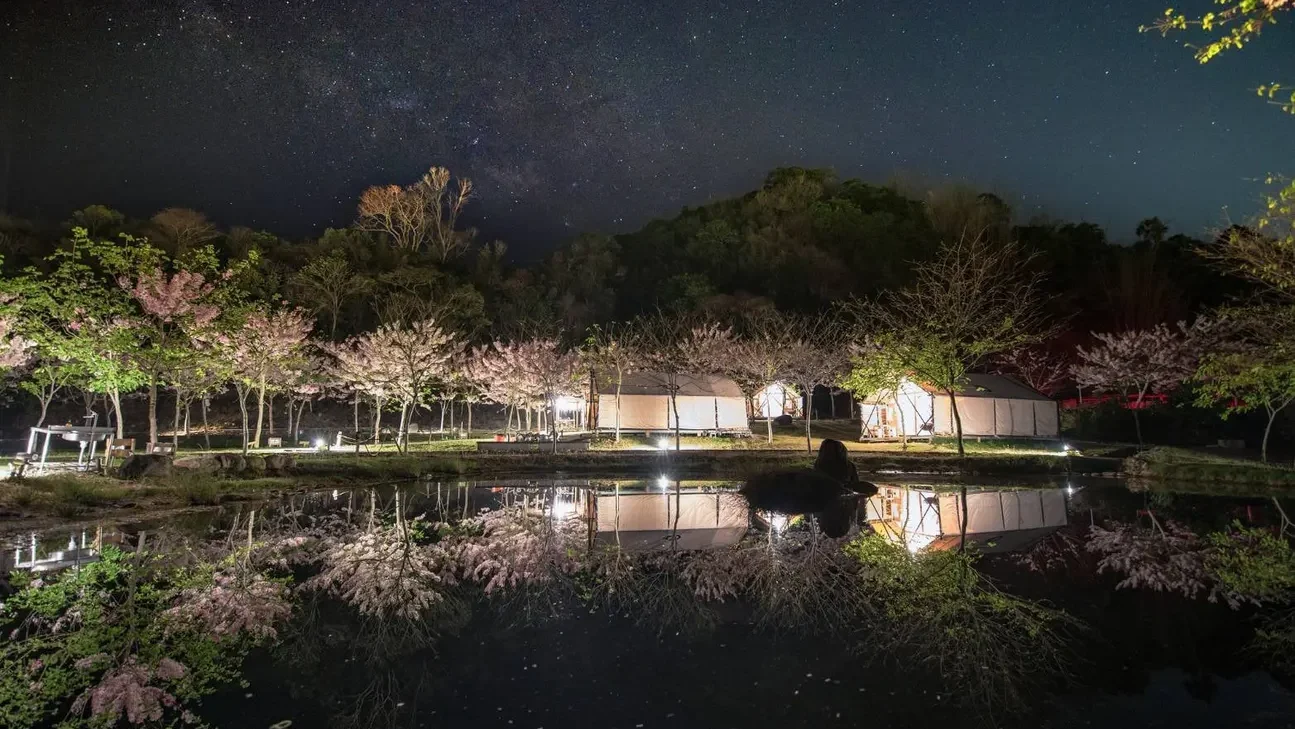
(1254, 371)
(675, 347)
(610, 353)
(1138, 362)
(819, 356)
(256, 347)
(421, 216)
(172, 306)
(876, 373)
(975, 300)
(761, 356)
(413, 357)
(1040, 369)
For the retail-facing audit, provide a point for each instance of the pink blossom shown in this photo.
(231, 606)
(169, 670)
(175, 297)
(126, 690)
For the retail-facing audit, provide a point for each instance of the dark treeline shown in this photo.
(802, 242)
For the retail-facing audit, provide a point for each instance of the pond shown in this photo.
(661, 603)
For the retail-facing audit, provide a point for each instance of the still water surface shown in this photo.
(552, 659)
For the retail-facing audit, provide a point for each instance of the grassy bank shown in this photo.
(1178, 465)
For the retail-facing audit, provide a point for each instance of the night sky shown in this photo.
(602, 114)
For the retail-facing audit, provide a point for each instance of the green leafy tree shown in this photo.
(326, 284)
(1255, 375)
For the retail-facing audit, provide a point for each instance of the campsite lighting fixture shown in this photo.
(663, 444)
(663, 482)
(319, 444)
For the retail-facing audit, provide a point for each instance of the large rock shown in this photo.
(256, 466)
(279, 464)
(145, 465)
(232, 463)
(207, 464)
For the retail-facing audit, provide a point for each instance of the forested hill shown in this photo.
(801, 242)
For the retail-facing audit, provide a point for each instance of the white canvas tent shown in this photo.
(707, 405)
(998, 520)
(989, 405)
(681, 520)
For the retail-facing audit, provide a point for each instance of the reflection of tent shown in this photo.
(989, 405)
(689, 521)
(996, 520)
(707, 404)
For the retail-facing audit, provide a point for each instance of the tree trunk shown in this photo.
(291, 405)
(357, 413)
(377, 421)
(116, 408)
(674, 404)
(957, 423)
(1263, 449)
(188, 410)
(402, 434)
(260, 412)
(768, 426)
(242, 406)
(468, 404)
(301, 411)
(175, 427)
(809, 417)
(269, 406)
(44, 409)
(152, 409)
(620, 380)
(206, 431)
(1137, 421)
(442, 418)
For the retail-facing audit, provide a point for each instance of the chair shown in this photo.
(18, 465)
(164, 449)
(274, 442)
(117, 449)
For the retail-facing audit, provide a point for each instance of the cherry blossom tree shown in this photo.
(359, 365)
(762, 356)
(610, 353)
(264, 339)
(414, 357)
(1138, 362)
(172, 306)
(673, 348)
(502, 368)
(1043, 370)
(819, 356)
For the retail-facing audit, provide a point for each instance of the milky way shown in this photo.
(588, 115)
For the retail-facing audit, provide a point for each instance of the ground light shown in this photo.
(663, 482)
(663, 444)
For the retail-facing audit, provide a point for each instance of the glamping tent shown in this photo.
(707, 405)
(679, 520)
(990, 406)
(998, 521)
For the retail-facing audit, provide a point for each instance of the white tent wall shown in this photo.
(1001, 417)
(1046, 423)
(654, 412)
(998, 511)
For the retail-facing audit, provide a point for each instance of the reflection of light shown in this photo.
(566, 404)
(663, 443)
(563, 507)
(335, 494)
(778, 522)
(663, 482)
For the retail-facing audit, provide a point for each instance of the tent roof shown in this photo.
(997, 386)
(647, 383)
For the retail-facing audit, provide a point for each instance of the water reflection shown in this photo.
(994, 520)
(405, 606)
